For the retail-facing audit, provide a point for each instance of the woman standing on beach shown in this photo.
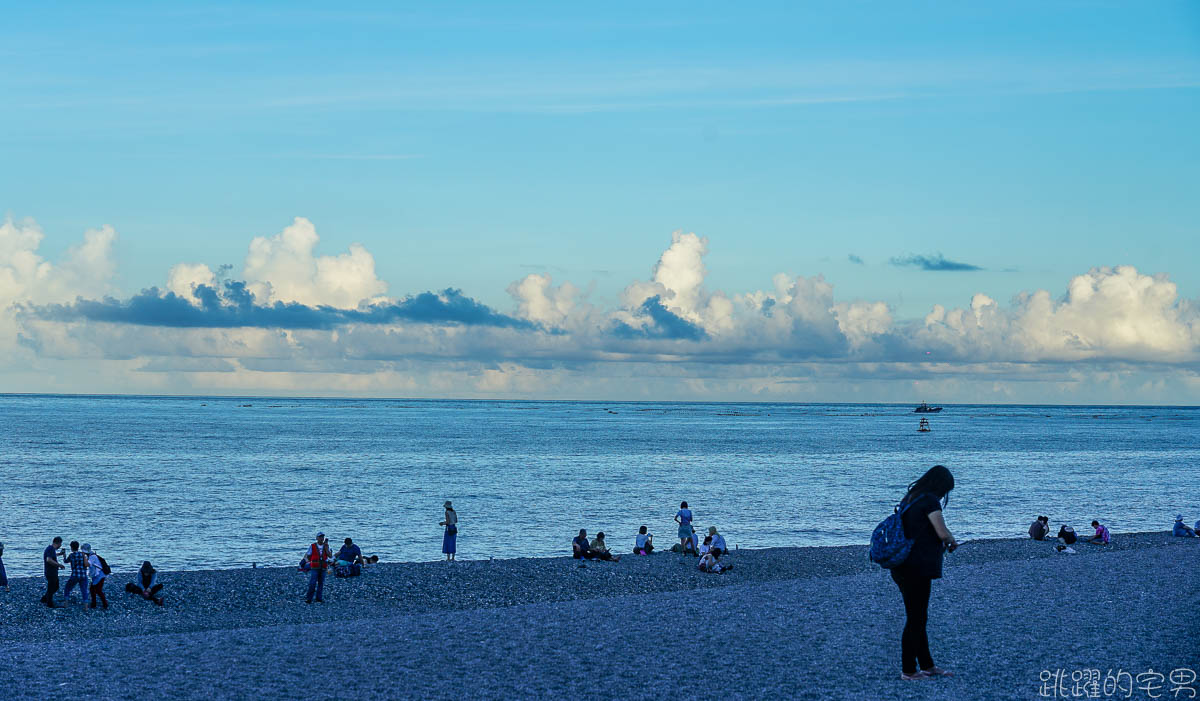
(924, 525)
(450, 538)
(684, 518)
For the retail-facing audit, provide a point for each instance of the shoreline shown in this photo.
(950, 557)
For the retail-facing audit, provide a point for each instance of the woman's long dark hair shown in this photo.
(147, 572)
(937, 481)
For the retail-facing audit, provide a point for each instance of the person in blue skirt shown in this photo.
(450, 538)
(684, 518)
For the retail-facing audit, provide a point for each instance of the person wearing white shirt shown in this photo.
(96, 572)
(718, 541)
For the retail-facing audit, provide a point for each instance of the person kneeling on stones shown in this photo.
(146, 584)
(601, 548)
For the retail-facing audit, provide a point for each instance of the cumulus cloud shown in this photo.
(86, 269)
(539, 301)
(283, 268)
(935, 263)
(294, 314)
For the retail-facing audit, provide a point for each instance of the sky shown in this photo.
(845, 201)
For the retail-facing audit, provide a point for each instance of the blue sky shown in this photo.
(469, 145)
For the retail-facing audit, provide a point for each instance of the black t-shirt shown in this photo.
(50, 553)
(1068, 536)
(925, 559)
(581, 542)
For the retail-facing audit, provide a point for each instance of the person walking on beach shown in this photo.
(1102, 535)
(79, 574)
(318, 556)
(450, 537)
(99, 571)
(51, 566)
(684, 518)
(925, 527)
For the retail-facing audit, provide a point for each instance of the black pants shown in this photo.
(51, 587)
(135, 589)
(914, 642)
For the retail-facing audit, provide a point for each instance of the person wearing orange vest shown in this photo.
(319, 556)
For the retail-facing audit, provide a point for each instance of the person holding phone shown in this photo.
(925, 526)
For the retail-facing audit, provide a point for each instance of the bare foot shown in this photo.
(936, 671)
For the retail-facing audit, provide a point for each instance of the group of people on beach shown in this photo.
(319, 558)
(89, 573)
(1040, 530)
(1180, 529)
(709, 552)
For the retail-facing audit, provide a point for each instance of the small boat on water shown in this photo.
(923, 427)
(926, 409)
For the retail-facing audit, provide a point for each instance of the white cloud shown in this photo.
(184, 277)
(538, 300)
(25, 277)
(1113, 330)
(282, 268)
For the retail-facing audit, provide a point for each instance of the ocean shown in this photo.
(207, 482)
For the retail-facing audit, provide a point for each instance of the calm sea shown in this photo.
(200, 482)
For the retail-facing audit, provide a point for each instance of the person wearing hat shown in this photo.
(450, 537)
(96, 569)
(718, 540)
(319, 555)
(1181, 529)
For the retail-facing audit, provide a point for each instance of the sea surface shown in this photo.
(203, 482)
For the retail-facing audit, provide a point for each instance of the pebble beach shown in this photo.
(817, 622)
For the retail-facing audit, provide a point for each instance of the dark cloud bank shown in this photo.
(233, 306)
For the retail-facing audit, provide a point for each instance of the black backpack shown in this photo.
(104, 565)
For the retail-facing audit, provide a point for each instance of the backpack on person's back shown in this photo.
(889, 544)
(103, 565)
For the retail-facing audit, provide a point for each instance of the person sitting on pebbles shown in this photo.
(1066, 534)
(600, 548)
(1181, 529)
(1040, 528)
(146, 584)
(711, 562)
(643, 544)
(1102, 535)
(718, 540)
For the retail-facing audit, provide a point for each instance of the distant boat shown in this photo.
(926, 409)
(923, 427)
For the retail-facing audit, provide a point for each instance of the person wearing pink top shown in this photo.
(1102, 536)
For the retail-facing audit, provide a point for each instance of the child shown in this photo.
(644, 543)
(1101, 537)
